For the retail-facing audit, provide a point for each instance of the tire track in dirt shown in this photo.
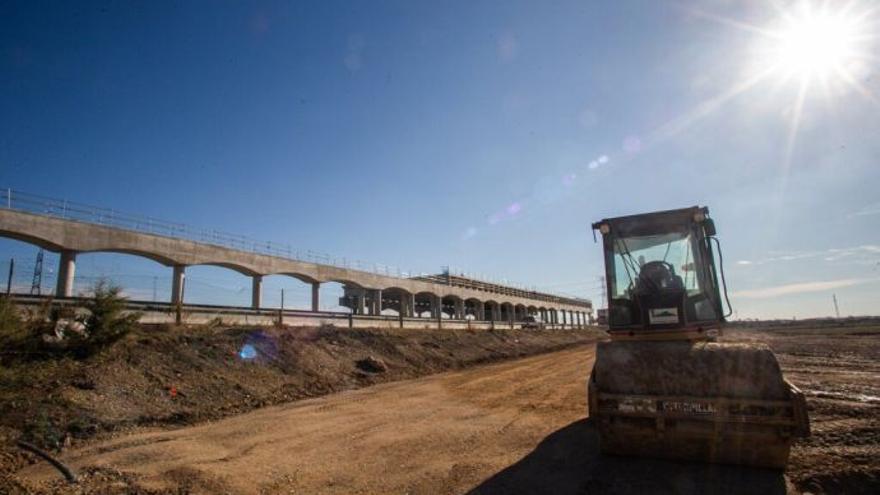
(440, 434)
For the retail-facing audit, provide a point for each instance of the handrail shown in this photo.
(69, 210)
(12, 199)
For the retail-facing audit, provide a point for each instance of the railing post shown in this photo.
(9, 198)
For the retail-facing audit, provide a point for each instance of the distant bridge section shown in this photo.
(71, 229)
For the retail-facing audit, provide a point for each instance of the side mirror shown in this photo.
(709, 227)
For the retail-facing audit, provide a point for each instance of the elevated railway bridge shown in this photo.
(70, 229)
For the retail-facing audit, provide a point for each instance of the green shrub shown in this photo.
(16, 333)
(106, 321)
(103, 322)
(10, 318)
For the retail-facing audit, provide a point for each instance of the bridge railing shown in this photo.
(69, 210)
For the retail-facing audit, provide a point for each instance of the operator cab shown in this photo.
(660, 274)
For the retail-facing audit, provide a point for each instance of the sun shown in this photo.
(832, 42)
(825, 45)
(815, 45)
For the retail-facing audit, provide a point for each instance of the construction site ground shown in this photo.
(517, 426)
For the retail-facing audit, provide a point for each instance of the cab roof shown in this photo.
(653, 223)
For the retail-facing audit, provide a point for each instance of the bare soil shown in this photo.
(837, 366)
(170, 377)
(513, 427)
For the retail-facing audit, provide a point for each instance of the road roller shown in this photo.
(664, 384)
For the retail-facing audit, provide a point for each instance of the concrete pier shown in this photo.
(257, 291)
(178, 283)
(316, 287)
(66, 273)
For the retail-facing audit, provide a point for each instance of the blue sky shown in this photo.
(482, 135)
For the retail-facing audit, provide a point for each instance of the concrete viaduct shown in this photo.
(364, 292)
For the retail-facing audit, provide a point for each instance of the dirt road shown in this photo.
(512, 427)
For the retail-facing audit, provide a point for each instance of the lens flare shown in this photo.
(248, 352)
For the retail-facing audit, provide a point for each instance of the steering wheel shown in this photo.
(657, 275)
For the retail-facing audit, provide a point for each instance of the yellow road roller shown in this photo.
(663, 385)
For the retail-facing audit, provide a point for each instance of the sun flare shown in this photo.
(815, 45)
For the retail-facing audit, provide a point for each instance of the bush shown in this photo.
(105, 323)
(17, 335)
(10, 318)
(49, 330)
